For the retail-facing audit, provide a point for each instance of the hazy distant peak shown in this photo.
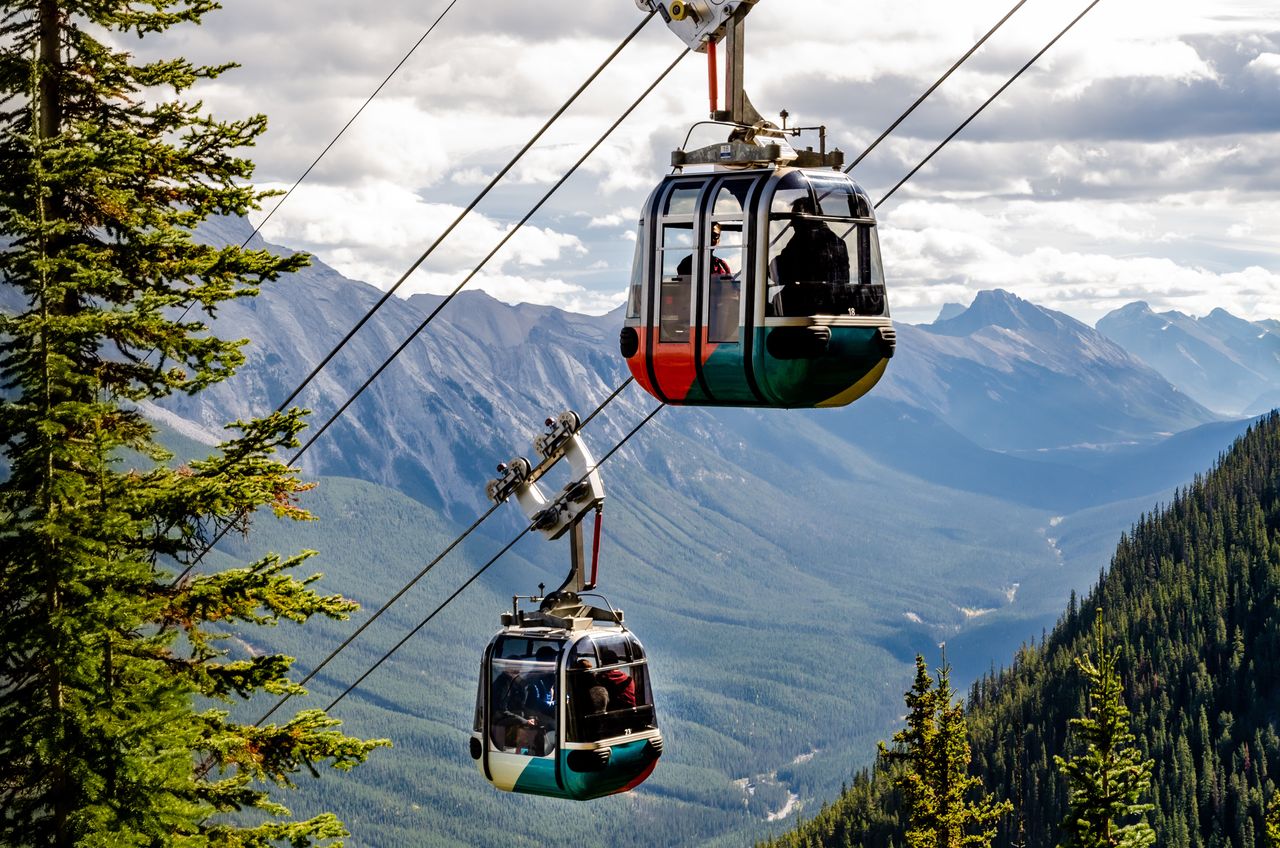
(1005, 310)
(1225, 362)
(949, 311)
(1223, 322)
(1132, 310)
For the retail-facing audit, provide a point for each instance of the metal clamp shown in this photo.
(513, 475)
(697, 22)
(552, 515)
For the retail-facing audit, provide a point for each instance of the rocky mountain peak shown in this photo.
(1003, 309)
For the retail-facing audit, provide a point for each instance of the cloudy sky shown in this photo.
(1139, 160)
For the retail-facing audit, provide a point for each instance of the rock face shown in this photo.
(1001, 376)
(1228, 364)
(949, 310)
(1010, 375)
(881, 528)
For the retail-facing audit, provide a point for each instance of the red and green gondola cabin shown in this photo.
(565, 713)
(760, 287)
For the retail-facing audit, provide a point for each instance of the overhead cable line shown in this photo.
(319, 431)
(423, 573)
(988, 102)
(386, 656)
(332, 142)
(423, 326)
(638, 427)
(465, 212)
(934, 87)
(507, 237)
(351, 121)
(209, 762)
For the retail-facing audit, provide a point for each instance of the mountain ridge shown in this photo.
(1230, 364)
(875, 527)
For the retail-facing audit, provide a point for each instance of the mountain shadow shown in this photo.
(1192, 599)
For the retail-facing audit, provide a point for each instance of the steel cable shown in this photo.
(934, 87)
(988, 102)
(319, 431)
(331, 143)
(422, 573)
(386, 656)
(465, 212)
(507, 237)
(351, 121)
(655, 411)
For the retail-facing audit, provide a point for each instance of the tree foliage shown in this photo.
(1106, 776)
(111, 671)
(938, 792)
(1192, 596)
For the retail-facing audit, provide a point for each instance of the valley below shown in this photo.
(782, 568)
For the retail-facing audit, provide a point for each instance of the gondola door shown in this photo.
(725, 288)
(672, 365)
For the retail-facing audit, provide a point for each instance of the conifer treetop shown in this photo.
(108, 667)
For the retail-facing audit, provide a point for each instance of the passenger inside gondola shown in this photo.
(522, 697)
(618, 680)
(593, 695)
(608, 682)
(811, 266)
(509, 722)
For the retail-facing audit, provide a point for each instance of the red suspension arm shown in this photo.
(595, 550)
(713, 78)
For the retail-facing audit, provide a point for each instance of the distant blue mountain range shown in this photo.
(777, 563)
(1228, 364)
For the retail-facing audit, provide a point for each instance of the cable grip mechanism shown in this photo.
(552, 515)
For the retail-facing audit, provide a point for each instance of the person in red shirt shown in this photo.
(719, 268)
(621, 685)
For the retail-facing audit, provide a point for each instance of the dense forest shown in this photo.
(1190, 600)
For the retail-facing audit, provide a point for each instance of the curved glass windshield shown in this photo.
(824, 256)
(637, 276)
(522, 695)
(608, 689)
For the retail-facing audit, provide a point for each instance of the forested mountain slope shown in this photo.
(1191, 596)
(744, 544)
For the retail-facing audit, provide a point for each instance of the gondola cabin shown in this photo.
(565, 712)
(758, 287)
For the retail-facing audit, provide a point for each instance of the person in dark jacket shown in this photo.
(813, 264)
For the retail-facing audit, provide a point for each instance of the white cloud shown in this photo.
(1190, 220)
(1267, 63)
(1166, 60)
(624, 217)
(375, 231)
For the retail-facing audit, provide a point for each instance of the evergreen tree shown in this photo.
(1107, 776)
(935, 782)
(1189, 585)
(109, 667)
(915, 747)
